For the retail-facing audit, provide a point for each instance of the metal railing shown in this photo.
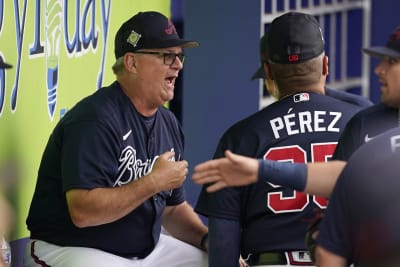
(346, 28)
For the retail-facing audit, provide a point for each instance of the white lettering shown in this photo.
(276, 125)
(132, 168)
(290, 123)
(331, 127)
(395, 143)
(305, 122)
(319, 120)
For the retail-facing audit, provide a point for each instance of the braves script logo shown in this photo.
(170, 29)
(132, 168)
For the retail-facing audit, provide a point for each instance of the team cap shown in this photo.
(260, 73)
(148, 29)
(293, 38)
(391, 49)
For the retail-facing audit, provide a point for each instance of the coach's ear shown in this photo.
(267, 69)
(130, 62)
(325, 66)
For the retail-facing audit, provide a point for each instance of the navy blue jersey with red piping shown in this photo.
(364, 126)
(300, 128)
(362, 220)
(103, 142)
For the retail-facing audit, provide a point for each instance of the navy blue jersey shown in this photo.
(103, 142)
(300, 128)
(364, 126)
(362, 219)
(349, 97)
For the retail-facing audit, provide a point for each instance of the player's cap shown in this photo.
(4, 65)
(260, 73)
(293, 38)
(391, 49)
(148, 29)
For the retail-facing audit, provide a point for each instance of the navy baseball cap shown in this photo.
(391, 49)
(294, 37)
(148, 29)
(4, 65)
(260, 73)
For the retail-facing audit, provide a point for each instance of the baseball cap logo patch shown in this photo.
(293, 58)
(134, 38)
(170, 29)
(391, 49)
(395, 35)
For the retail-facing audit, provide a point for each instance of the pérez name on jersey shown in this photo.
(305, 122)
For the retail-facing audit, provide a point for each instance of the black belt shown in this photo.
(296, 258)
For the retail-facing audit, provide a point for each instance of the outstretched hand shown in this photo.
(232, 170)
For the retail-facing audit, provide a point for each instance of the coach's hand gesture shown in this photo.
(167, 173)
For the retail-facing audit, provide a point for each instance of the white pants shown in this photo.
(169, 252)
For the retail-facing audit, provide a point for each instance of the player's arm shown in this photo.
(184, 224)
(325, 258)
(104, 205)
(237, 170)
(224, 239)
(322, 177)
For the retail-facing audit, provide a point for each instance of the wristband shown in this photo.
(287, 174)
(203, 242)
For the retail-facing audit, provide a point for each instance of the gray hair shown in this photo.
(118, 65)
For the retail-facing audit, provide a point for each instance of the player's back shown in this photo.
(303, 127)
(300, 119)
